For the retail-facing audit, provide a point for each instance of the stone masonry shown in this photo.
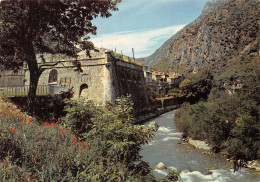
(101, 78)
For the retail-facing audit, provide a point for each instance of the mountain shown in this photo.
(226, 30)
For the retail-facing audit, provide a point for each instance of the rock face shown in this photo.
(226, 30)
(160, 166)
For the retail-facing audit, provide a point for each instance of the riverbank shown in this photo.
(254, 164)
(192, 164)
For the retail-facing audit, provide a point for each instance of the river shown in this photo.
(192, 164)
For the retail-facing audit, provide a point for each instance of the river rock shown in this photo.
(199, 144)
(160, 166)
(253, 165)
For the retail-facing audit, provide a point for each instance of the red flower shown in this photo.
(82, 142)
(84, 146)
(29, 122)
(52, 124)
(56, 126)
(21, 116)
(41, 132)
(67, 131)
(60, 136)
(75, 142)
(45, 123)
(52, 118)
(68, 128)
(63, 127)
(71, 141)
(83, 133)
(13, 130)
(74, 137)
(77, 133)
(87, 148)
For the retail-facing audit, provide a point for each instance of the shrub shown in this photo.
(106, 148)
(45, 151)
(113, 137)
(183, 120)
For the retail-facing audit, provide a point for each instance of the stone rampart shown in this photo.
(9, 78)
(101, 78)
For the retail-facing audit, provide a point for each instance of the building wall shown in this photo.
(129, 79)
(103, 79)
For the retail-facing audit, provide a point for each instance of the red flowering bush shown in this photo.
(105, 148)
(43, 150)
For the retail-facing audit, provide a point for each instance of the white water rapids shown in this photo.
(192, 164)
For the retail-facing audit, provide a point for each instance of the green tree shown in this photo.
(31, 27)
(196, 86)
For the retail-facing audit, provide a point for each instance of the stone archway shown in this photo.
(83, 90)
(53, 76)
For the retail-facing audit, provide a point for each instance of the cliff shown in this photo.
(226, 31)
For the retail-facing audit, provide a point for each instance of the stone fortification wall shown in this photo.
(91, 81)
(8, 78)
(129, 79)
(101, 78)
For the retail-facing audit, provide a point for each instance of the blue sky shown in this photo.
(144, 24)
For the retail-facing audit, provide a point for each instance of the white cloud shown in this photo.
(144, 42)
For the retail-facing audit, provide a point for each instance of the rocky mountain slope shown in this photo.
(226, 30)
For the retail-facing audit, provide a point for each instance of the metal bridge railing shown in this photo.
(11, 91)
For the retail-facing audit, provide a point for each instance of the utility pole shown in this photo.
(133, 54)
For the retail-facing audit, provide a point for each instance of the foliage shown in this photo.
(7, 110)
(79, 114)
(171, 177)
(39, 152)
(183, 119)
(194, 87)
(227, 121)
(176, 92)
(108, 150)
(45, 106)
(115, 140)
(152, 94)
(28, 28)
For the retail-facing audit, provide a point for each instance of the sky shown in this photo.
(144, 24)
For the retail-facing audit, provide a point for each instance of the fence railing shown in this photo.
(11, 91)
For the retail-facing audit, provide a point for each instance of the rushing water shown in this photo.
(192, 164)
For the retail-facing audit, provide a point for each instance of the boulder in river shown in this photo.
(160, 166)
